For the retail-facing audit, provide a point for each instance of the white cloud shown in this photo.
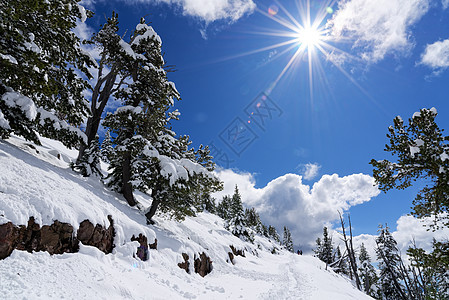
(436, 55)
(287, 201)
(445, 3)
(378, 27)
(213, 10)
(408, 229)
(310, 171)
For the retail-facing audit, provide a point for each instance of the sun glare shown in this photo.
(310, 37)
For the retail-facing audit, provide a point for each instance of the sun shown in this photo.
(310, 37)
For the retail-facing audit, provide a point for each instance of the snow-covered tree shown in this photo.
(272, 233)
(422, 152)
(40, 91)
(147, 154)
(224, 208)
(106, 147)
(287, 239)
(367, 273)
(253, 220)
(325, 249)
(90, 163)
(390, 276)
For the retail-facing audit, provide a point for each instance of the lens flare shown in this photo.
(273, 10)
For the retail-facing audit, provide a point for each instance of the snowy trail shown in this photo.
(39, 184)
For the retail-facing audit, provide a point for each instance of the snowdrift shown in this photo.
(36, 181)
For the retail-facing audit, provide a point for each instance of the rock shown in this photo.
(185, 265)
(154, 245)
(237, 252)
(142, 250)
(97, 236)
(8, 239)
(58, 238)
(203, 265)
(231, 257)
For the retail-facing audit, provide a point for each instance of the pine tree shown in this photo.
(40, 91)
(287, 240)
(90, 164)
(422, 152)
(325, 249)
(106, 147)
(253, 220)
(224, 208)
(147, 154)
(367, 272)
(389, 266)
(272, 233)
(340, 264)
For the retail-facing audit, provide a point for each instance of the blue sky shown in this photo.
(381, 59)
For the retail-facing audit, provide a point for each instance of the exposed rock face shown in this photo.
(142, 250)
(8, 239)
(98, 236)
(56, 238)
(231, 257)
(203, 265)
(185, 265)
(237, 252)
(154, 245)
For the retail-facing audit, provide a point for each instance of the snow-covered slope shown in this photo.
(35, 182)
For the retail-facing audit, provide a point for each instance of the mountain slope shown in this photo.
(35, 182)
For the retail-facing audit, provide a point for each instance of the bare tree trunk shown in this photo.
(98, 103)
(127, 189)
(350, 250)
(154, 205)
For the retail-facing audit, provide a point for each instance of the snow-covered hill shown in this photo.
(35, 181)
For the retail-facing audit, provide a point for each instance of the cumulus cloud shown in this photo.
(408, 229)
(213, 10)
(378, 27)
(436, 55)
(309, 171)
(287, 201)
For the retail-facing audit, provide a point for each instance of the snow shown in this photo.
(149, 33)
(14, 99)
(34, 182)
(444, 156)
(3, 122)
(82, 11)
(9, 58)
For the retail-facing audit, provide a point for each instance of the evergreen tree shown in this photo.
(325, 249)
(106, 147)
(368, 276)
(389, 266)
(422, 152)
(90, 164)
(40, 91)
(147, 154)
(253, 220)
(432, 270)
(272, 233)
(224, 208)
(287, 240)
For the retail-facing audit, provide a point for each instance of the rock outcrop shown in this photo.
(142, 250)
(185, 265)
(56, 238)
(203, 265)
(97, 236)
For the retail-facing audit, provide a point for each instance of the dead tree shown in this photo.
(350, 250)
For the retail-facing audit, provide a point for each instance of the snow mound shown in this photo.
(36, 181)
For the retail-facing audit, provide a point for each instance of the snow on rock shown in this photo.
(34, 184)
